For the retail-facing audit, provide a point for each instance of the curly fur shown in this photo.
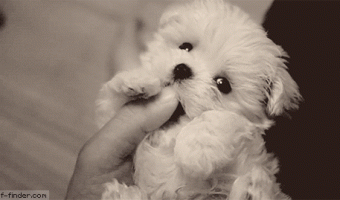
(215, 150)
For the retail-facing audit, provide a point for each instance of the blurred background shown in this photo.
(54, 56)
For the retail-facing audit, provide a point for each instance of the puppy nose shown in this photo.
(182, 71)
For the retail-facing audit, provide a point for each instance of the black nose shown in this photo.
(182, 71)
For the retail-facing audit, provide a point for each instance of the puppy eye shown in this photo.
(186, 46)
(223, 85)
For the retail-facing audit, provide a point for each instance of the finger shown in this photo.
(120, 136)
(157, 112)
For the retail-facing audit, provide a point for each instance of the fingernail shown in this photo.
(167, 95)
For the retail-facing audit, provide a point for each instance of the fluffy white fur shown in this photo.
(215, 150)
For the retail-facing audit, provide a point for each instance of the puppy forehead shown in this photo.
(202, 16)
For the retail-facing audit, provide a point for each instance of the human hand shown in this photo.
(107, 155)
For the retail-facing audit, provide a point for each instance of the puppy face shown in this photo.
(216, 57)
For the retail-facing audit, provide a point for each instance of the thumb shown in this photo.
(119, 137)
(135, 119)
(157, 112)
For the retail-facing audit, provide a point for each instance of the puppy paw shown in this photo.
(122, 88)
(117, 191)
(136, 84)
(200, 147)
(256, 185)
(262, 184)
(239, 189)
(209, 142)
(199, 157)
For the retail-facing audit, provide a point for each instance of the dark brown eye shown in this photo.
(223, 85)
(186, 46)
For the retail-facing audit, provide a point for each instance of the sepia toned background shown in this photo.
(54, 56)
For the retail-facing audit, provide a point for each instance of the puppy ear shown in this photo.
(256, 9)
(171, 16)
(284, 93)
(172, 13)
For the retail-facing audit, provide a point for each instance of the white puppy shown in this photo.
(229, 77)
